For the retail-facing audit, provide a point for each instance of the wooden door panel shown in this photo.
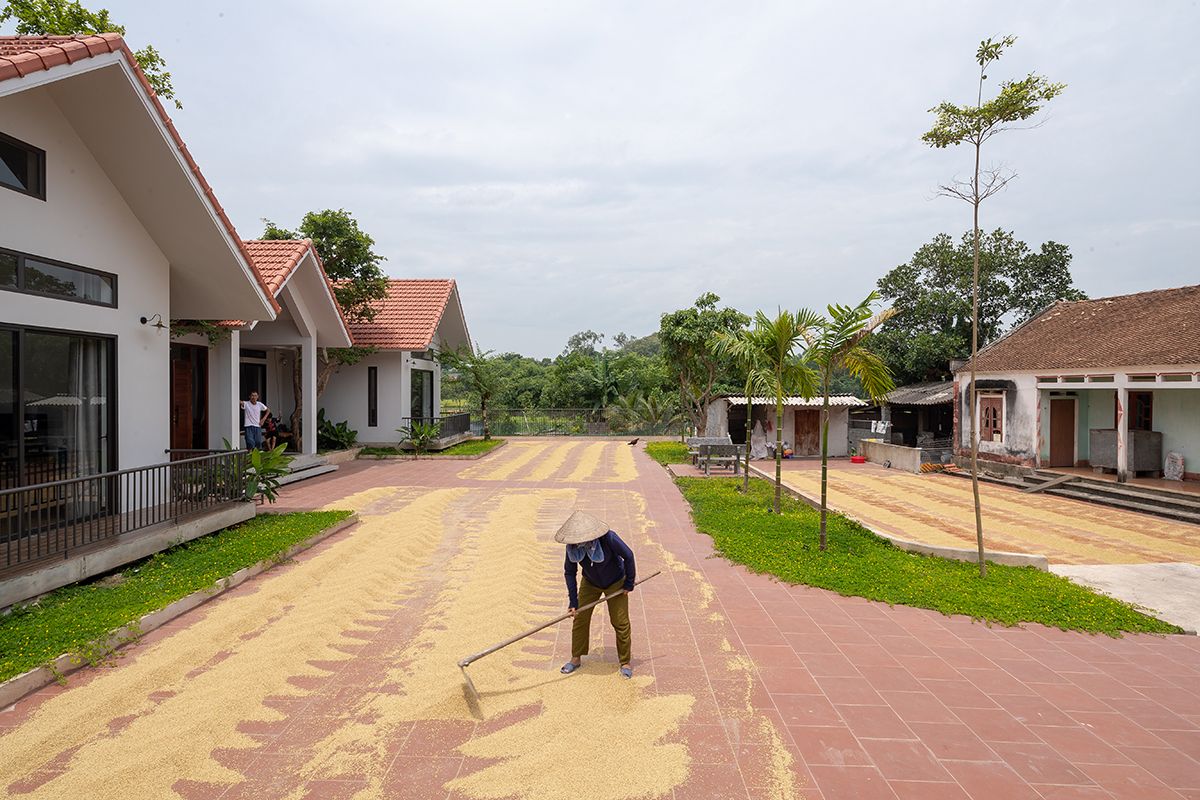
(1062, 433)
(808, 433)
(181, 405)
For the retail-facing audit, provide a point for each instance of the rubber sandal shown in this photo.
(569, 667)
(627, 672)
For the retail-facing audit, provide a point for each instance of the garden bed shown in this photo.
(88, 621)
(859, 563)
(668, 452)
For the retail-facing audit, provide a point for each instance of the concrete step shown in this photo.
(1157, 510)
(1178, 501)
(308, 472)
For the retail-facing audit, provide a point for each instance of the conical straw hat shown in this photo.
(580, 527)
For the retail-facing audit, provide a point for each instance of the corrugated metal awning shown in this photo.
(836, 401)
(923, 394)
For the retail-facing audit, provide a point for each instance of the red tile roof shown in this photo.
(407, 318)
(1145, 329)
(23, 55)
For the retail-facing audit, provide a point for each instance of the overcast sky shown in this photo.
(593, 165)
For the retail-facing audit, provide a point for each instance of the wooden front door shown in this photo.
(181, 404)
(1062, 433)
(808, 433)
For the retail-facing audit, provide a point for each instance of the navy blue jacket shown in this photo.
(617, 564)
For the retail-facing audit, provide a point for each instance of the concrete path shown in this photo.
(1172, 591)
(334, 677)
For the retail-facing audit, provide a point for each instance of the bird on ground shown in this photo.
(635, 441)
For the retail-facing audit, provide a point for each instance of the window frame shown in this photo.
(40, 156)
(53, 262)
(1003, 398)
(372, 397)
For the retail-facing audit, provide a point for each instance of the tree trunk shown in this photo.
(749, 422)
(974, 394)
(824, 460)
(778, 451)
(487, 431)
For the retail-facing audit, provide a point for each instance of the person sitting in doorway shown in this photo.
(270, 432)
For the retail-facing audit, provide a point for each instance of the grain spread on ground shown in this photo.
(363, 634)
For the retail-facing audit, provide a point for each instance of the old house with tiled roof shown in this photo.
(401, 381)
(1111, 383)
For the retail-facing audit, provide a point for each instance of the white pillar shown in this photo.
(1122, 434)
(224, 384)
(308, 375)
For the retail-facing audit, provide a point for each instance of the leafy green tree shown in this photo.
(600, 381)
(651, 413)
(353, 267)
(481, 373)
(771, 346)
(70, 18)
(835, 343)
(745, 350)
(973, 125)
(931, 295)
(688, 339)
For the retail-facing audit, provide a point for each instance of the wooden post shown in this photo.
(1122, 434)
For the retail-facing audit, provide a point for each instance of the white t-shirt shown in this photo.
(253, 414)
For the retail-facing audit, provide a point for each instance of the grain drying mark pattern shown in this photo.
(136, 730)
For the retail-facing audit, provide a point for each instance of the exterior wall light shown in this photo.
(156, 321)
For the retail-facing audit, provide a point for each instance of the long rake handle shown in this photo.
(469, 659)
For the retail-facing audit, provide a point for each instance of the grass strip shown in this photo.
(471, 447)
(859, 563)
(73, 618)
(668, 452)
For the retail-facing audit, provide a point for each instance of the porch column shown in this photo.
(1122, 434)
(308, 376)
(224, 420)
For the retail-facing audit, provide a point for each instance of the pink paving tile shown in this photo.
(791, 680)
(419, 777)
(1117, 729)
(991, 779)
(1169, 765)
(952, 742)
(1056, 792)
(1033, 710)
(850, 691)
(925, 790)
(831, 745)
(707, 744)
(1080, 745)
(918, 707)
(875, 722)
(1128, 782)
(995, 725)
(833, 664)
(806, 709)
(713, 780)
(959, 693)
(852, 783)
(1039, 763)
(891, 679)
(908, 760)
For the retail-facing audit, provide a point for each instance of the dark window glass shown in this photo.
(372, 396)
(22, 167)
(1142, 405)
(10, 442)
(253, 379)
(8, 269)
(67, 282)
(422, 394)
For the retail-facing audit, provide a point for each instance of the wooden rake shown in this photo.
(472, 694)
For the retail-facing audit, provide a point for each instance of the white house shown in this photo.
(1111, 383)
(401, 380)
(801, 421)
(108, 231)
(262, 356)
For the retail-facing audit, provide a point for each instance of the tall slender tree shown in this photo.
(836, 343)
(480, 371)
(973, 125)
(777, 342)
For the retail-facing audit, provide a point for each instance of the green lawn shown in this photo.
(471, 447)
(72, 618)
(859, 563)
(668, 452)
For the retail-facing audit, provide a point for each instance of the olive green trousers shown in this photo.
(618, 612)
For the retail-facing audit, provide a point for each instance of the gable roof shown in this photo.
(1160, 327)
(22, 56)
(407, 318)
(922, 394)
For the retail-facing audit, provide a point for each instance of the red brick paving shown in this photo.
(872, 701)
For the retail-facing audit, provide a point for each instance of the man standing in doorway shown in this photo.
(253, 414)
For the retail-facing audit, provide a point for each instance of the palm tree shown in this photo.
(837, 343)
(743, 348)
(780, 370)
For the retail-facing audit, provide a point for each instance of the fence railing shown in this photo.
(52, 519)
(571, 422)
(448, 426)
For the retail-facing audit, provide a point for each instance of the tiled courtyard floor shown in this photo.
(335, 677)
(938, 510)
